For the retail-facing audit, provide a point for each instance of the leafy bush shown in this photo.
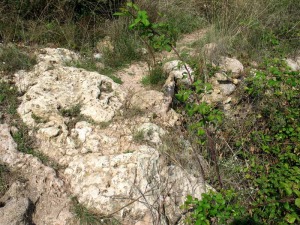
(270, 188)
(214, 208)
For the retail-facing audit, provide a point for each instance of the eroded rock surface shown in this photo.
(105, 137)
(15, 211)
(41, 187)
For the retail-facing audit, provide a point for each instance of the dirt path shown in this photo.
(132, 76)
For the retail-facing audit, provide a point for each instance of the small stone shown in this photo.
(293, 64)
(98, 56)
(179, 71)
(227, 89)
(14, 129)
(49, 131)
(221, 77)
(227, 107)
(144, 51)
(254, 64)
(228, 100)
(235, 81)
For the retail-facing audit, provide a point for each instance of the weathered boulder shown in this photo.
(224, 82)
(52, 87)
(127, 184)
(227, 89)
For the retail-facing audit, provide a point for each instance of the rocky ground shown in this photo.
(106, 139)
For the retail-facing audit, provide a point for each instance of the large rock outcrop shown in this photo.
(106, 139)
(41, 191)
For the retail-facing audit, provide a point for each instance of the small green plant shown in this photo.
(87, 217)
(8, 99)
(155, 77)
(139, 136)
(205, 114)
(73, 111)
(13, 59)
(213, 208)
(157, 36)
(38, 119)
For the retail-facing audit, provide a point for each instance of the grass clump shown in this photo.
(13, 59)
(125, 45)
(252, 29)
(156, 77)
(91, 64)
(8, 100)
(26, 142)
(139, 136)
(87, 217)
(132, 112)
(8, 106)
(73, 111)
(4, 172)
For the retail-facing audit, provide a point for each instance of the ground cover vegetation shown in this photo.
(255, 170)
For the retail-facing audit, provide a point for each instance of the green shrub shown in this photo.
(266, 144)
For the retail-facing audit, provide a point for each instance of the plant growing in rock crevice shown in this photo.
(156, 36)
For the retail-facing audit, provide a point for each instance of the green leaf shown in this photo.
(168, 48)
(119, 14)
(189, 198)
(291, 218)
(297, 202)
(201, 132)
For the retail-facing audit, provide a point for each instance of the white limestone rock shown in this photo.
(43, 187)
(151, 132)
(105, 168)
(177, 69)
(231, 65)
(15, 211)
(227, 89)
(130, 180)
(294, 64)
